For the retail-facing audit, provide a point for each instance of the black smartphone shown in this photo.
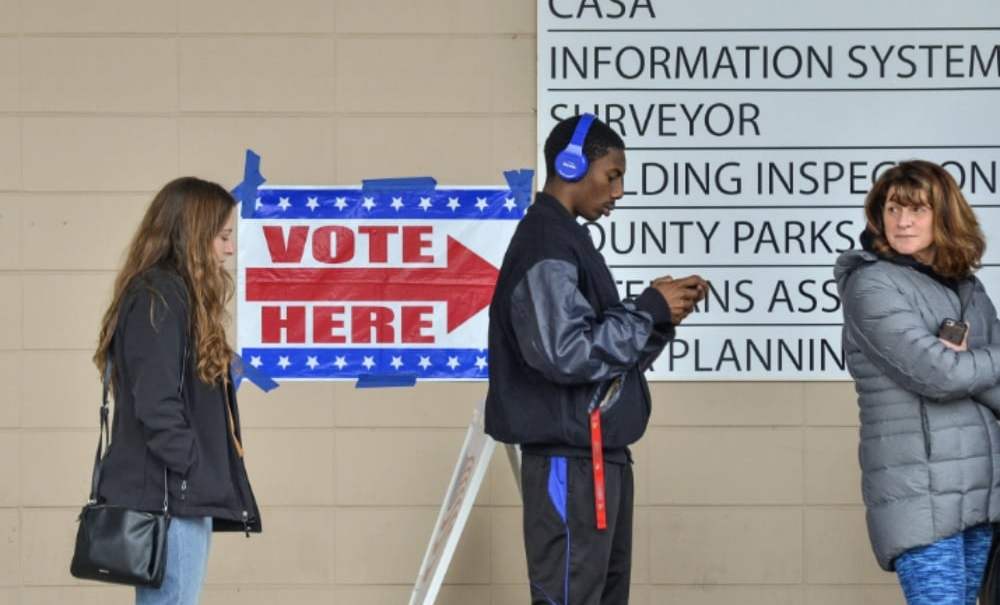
(953, 330)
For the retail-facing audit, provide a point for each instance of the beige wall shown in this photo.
(746, 492)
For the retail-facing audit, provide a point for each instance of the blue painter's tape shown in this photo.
(373, 381)
(416, 183)
(520, 183)
(239, 370)
(246, 191)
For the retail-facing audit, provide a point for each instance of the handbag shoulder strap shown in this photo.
(104, 434)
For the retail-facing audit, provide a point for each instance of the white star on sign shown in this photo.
(369, 203)
(425, 203)
(397, 203)
(509, 204)
(283, 362)
(480, 362)
(425, 362)
(340, 362)
(396, 363)
(313, 203)
(369, 362)
(341, 203)
(257, 204)
(453, 362)
(284, 204)
(481, 203)
(311, 362)
(255, 361)
(453, 203)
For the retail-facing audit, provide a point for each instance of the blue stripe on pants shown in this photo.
(559, 494)
(947, 572)
(557, 484)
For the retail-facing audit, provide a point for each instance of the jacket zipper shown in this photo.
(989, 491)
(925, 425)
(184, 486)
(239, 488)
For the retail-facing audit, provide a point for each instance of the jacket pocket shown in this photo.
(925, 427)
(177, 488)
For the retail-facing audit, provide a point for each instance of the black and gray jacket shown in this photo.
(559, 335)
(155, 427)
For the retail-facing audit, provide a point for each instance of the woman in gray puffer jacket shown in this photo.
(930, 443)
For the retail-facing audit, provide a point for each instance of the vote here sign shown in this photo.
(338, 283)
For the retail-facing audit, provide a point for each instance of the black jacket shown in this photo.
(559, 335)
(154, 426)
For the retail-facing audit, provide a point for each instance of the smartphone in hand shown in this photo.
(953, 331)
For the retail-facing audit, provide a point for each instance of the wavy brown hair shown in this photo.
(958, 240)
(177, 233)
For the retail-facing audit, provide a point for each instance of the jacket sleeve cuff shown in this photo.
(652, 302)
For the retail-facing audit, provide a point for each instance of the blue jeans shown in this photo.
(188, 541)
(947, 572)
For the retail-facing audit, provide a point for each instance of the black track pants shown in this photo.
(571, 562)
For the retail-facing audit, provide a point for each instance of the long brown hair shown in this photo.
(958, 240)
(177, 233)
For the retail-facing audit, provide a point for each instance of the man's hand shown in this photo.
(681, 294)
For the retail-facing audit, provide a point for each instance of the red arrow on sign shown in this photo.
(466, 283)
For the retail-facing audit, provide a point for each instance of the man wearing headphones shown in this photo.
(567, 358)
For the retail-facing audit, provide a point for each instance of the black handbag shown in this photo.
(114, 543)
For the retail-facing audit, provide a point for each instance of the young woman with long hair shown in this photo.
(175, 406)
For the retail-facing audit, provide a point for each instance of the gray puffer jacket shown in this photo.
(930, 443)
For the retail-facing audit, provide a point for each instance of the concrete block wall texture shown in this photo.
(746, 492)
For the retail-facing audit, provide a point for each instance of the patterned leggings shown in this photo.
(947, 572)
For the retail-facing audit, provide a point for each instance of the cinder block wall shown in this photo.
(747, 492)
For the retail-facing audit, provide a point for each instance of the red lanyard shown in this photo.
(597, 455)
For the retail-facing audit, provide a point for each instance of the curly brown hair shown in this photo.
(958, 240)
(177, 233)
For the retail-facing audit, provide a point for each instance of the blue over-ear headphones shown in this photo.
(571, 164)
